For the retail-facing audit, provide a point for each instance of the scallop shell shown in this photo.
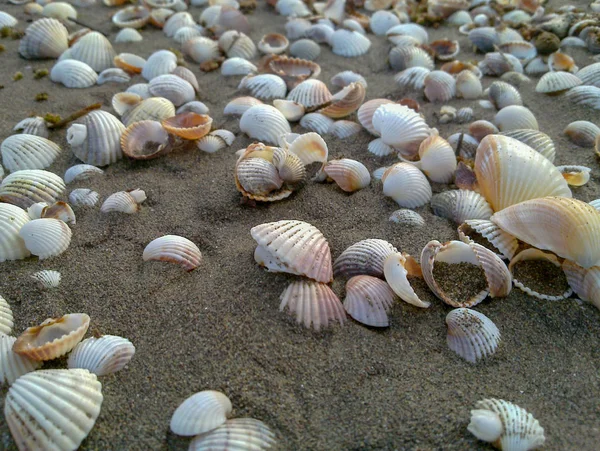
(396, 273)
(124, 202)
(312, 303)
(24, 188)
(83, 197)
(258, 179)
(154, 108)
(460, 206)
(367, 110)
(345, 102)
(131, 17)
(366, 257)
(6, 318)
(215, 141)
(407, 185)
(349, 43)
(47, 278)
(28, 152)
(44, 38)
(237, 66)
(582, 133)
(400, 127)
(439, 86)
(94, 50)
(237, 44)
(590, 75)
(101, 356)
(472, 335)
(12, 365)
(316, 122)
(510, 172)
(296, 247)
(61, 416)
(311, 94)
(309, 148)
(506, 425)
(265, 86)
(201, 49)
(407, 217)
(350, 175)
(557, 82)
(176, 22)
(46, 237)
(240, 105)
(33, 126)
(344, 129)
(504, 242)
(407, 29)
(437, 159)
(73, 74)
(265, 123)
(173, 88)
(502, 94)
(161, 62)
(239, 433)
(128, 35)
(405, 57)
(305, 49)
(94, 139)
(81, 172)
(174, 249)
(368, 300)
(200, 413)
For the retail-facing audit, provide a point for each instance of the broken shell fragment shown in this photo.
(501, 242)
(101, 356)
(200, 413)
(174, 249)
(368, 299)
(472, 335)
(46, 237)
(47, 278)
(144, 140)
(396, 275)
(13, 365)
(292, 111)
(350, 175)
(124, 202)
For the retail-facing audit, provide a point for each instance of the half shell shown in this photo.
(265, 123)
(95, 139)
(174, 249)
(12, 246)
(101, 356)
(407, 185)
(350, 175)
(47, 278)
(471, 334)
(13, 365)
(460, 205)
(368, 299)
(46, 237)
(25, 188)
(124, 201)
(366, 257)
(200, 413)
(239, 433)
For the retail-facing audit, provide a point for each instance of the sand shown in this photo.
(218, 327)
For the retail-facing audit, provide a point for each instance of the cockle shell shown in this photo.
(460, 205)
(407, 217)
(44, 38)
(366, 257)
(292, 111)
(407, 185)
(6, 20)
(238, 433)
(497, 64)
(73, 74)
(350, 175)
(468, 85)
(506, 425)
(585, 95)
(400, 127)
(33, 126)
(94, 50)
(200, 413)
(312, 303)
(13, 365)
(201, 49)
(113, 75)
(504, 242)
(472, 335)
(345, 102)
(582, 133)
(367, 110)
(237, 44)
(46, 237)
(553, 83)
(81, 172)
(396, 270)
(47, 278)
(60, 416)
(144, 140)
(215, 141)
(538, 141)
(295, 247)
(273, 43)
(240, 105)
(195, 106)
(131, 17)
(258, 179)
(264, 86)
(124, 202)
(311, 94)
(173, 88)
(265, 123)
(502, 94)
(408, 29)
(411, 78)
(6, 317)
(177, 21)
(316, 122)
(515, 117)
(567, 227)
(293, 70)
(101, 356)
(153, 108)
(437, 159)
(24, 188)
(28, 152)
(368, 299)
(159, 63)
(128, 35)
(305, 49)
(439, 86)
(405, 57)
(344, 129)
(122, 102)
(83, 197)
(184, 34)
(349, 43)
(95, 139)
(189, 125)
(309, 148)
(237, 66)
(174, 249)
(575, 175)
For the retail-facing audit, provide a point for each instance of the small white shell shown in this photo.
(33, 126)
(201, 49)
(515, 117)
(368, 299)
(6, 317)
(408, 29)
(177, 21)
(367, 110)
(582, 133)
(502, 94)
(265, 123)
(83, 197)
(468, 85)
(47, 278)
(215, 141)
(405, 57)
(400, 127)
(264, 86)
(128, 35)
(471, 334)
(174, 249)
(46, 237)
(159, 63)
(101, 356)
(237, 66)
(239, 433)
(81, 172)
(240, 105)
(194, 106)
(461, 205)
(235, 43)
(366, 257)
(73, 74)
(379, 148)
(311, 93)
(557, 82)
(316, 122)
(407, 217)
(305, 49)
(173, 88)
(382, 21)
(200, 413)
(28, 152)
(6, 20)
(113, 75)
(344, 129)
(407, 185)
(13, 365)
(124, 202)
(349, 43)
(585, 95)
(313, 304)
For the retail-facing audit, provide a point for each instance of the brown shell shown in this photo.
(188, 125)
(293, 70)
(345, 102)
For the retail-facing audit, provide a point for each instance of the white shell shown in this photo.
(101, 356)
(316, 122)
(461, 205)
(265, 86)
(407, 185)
(13, 365)
(235, 43)
(350, 175)
(113, 75)
(124, 202)
(60, 416)
(44, 38)
(502, 94)
(237, 66)
(83, 197)
(201, 49)
(24, 188)
(309, 148)
(382, 21)
(242, 434)
(468, 85)
(240, 105)
(306, 49)
(471, 334)
(73, 74)
(582, 133)
(515, 117)
(28, 152)
(349, 43)
(173, 88)
(265, 123)
(6, 20)
(128, 35)
(585, 95)
(506, 244)
(556, 82)
(94, 50)
(159, 63)
(396, 275)
(408, 29)
(311, 93)
(538, 141)
(46, 237)
(184, 34)
(368, 299)
(366, 257)
(174, 249)
(33, 126)
(177, 21)
(6, 317)
(405, 57)
(153, 108)
(379, 148)
(292, 111)
(312, 303)
(437, 159)
(95, 138)
(47, 278)
(194, 106)
(367, 110)
(81, 172)
(400, 127)
(200, 413)
(215, 141)
(344, 129)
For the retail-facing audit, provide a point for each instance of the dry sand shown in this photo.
(219, 327)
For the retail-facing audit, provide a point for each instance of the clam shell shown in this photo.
(24, 188)
(584, 282)
(350, 175)
(145, 140)
(239, 433)
(400, 127)
(173, 88)
(177, 21)
(273, 43)
(472, 335)
(28, 152)
(60, 416)
(139, 89)
(585, 95)
(81, 172)
(407, 185)
(215, 141)
(382, 21)
(348, 43)
(407, 29)
(200, 413)
(437, 159)
(290, 168)
(295, 28)
(113, 75)
(536, 254)
(258, 179)
(510, 172)
(502, 94)
(468, 85)
(484, 38)
(94, 139)
(344, 129)
(345, 102)
(194, 106)
(124, 202)
(13, 365)
(367, 110)
(464, 115)
(297, 245)
(161, 62)
(316, 122)
(536, 66)
(460, 206)
(407, 217)
(154, 109)
(101, 356)
(515, 117)
(201, 49)
(237, 66)
(575, 175)
(504, 242)
(556, 82)
(33, 126)
(292, 111)
(60, 210)
(582, 133)
(566, 227)
(411, 78)
(505, 424)
(94, 50)
(312, 303)
(83, 197)
(6, 318)
(189, 126)
(240, 105)
(174, 249)
(264, 86)
(47, 278)
(366, 257)
(237, 44)
(523, 50)
(6, 20)
(73, 74)
(590, 75)
(305, 49)
(310, 148)
(405, 57)
(344, 78)
(311, 94)
(184, 34)
(368, 300)
(128, 35)
(293, 70)
(265, 123)
(131, 17)
(439, 86)
(497, 64)
(538, 141)
(396, 274)
(44, 38)
(47, 237)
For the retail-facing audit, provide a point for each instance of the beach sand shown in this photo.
(219, 327)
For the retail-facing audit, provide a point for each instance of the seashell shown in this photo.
(464, 145)
(350, 175)
(367, 257)
(176, 22)
(131, 17)
(407, 217)
(31, 8)
(294, 247)
(215, 140)
(468, 85)
(583, 282)
(319, 33)
(13, 365)
(159, 63)
(24, 188)
(536, 66)
(345, 78)
(94, 139)
(122, 102)
(113, 75)
(484, 38)
(257, 178)
(472, 335)
(154, 109)
(61, 416)
(575, 175)
(400, 127)
(174, 249)
(366, 111)
(407, 185)
(6, 318)
(522, 50)
(47, 237)
(273, 43)
(497, 64)
(502, 94)
(265, 123)
(559, 61)
(173, 88)
(264, 86)
(407, 29)
(553, 83)
(316, 122)
(485, 230)
(145, 140)
(439, 86)
(295, 28)
(36, 210)
(127, 35)
(515, 117)
(28, 152)
(464, 115)
(585, 95)
(349, 44)
(94, 50)
(444, 8)
(124, 202)
(309, 148)
(237, 66)
(240, 105)
(292, 111)
(538, 141)
(59, 210)
(44, 38)
(12, 246)
(460, 206)
(47, 279)
(313, 303)
(200, 413)
(6, 20)
(510, 172)
(572, 41)
(305, 49)
(194, 106)
(496, 273)
(437, 159)
(33, 126)
(237, 44)
(396, 272)
(344, 129)
(402, 58)
(186, 33)
(159, 16)
(311, 94)
(382, 21)
(188, 125)
(129, 62)
(445, 49)
(345, 102)
(101, 356)
(81, 172)
(83, 197)
(515, 78)
(293, 70)
(368, 300)
(582, 133)
(590, 75)
(506, 425)
(241, 433)
(201, 49)
(73, 74)
(140, 89)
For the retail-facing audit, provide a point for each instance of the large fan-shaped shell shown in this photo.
(312, 303)
(46, 237)
(471, 334)
(538, 141)
(407, 185)
(366, 257)
(95, 139)
(400, 127)
(239, 434)
(200, 413)
(265, 123)
(101, 356)
(12, 246)
(25, 188)
(28, 152)
(44, 38)
(368, 299)
(175, 249)
(13, 365)
(73, 74)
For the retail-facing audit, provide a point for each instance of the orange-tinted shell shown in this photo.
(188, 125)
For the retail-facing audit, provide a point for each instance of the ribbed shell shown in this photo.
(510, 172)
(240, 105)
(515, 117)
(81, 172)
(184, 34)
(367, 110)
(590, 74)
(13, 365)
(400, 127)
(53, 409)
(297, 245)
(349, 43)
(194, 106)
(239, 434)
(127, 35)
(538, 141)
(95, 139)
(310, 148)
(174, 249)
(316, 122)
(83, 197)
(265, 123)
(44, 38)
(407, 217)
(460, 205)
(153, 109)
(557, 82)
(237, 66)
(173, 88)
(472, 335)
(47, 278)
(258, 179)
(585, 95)
(237, 44)
(177, 21)
(502, 94)
(73, 74)
(582, 133)
(25, 188)
(159, 63)
(408, 29)
(439, 86)
(344, 129)
(411, 78)
(28, 152)
(468, 85)
(310, 93)
(265, 86)
(350, 175)
(305, 49)
(345, 102)
(46, 237)
(101, 356)
(6, 317)
(506, 244)
(200, 413)
(12, 246)
(201, 49)
(94, 50)
(405, 57)
(363, 258)
(312, 303)
(379, 148)
(33, 126)
(123, 202)
(437, 159)
(368, 299)
(407, 185)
